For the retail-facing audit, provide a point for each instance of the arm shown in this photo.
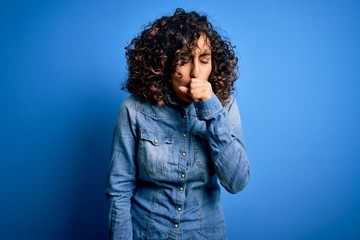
(121, 175)
(226, 145)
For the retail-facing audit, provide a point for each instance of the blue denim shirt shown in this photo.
(165, 165)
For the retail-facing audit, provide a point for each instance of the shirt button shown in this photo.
(179, 209)
(196, 109)
(155, 141)
(183, 154)
(184, 135)
(184, 116)
(183, 175)
(176, 225)
(181, 188)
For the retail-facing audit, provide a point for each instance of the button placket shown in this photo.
(178, 206)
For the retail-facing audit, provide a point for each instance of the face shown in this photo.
(199, 66)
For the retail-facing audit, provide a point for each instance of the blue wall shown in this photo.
(61, 65)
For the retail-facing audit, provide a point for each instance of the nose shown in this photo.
(194, 73)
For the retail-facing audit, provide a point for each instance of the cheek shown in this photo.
(180, 76)
(176, 81)
(207, 71)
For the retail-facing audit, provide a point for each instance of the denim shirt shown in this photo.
(165, 165)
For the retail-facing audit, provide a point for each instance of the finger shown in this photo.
(184, 90)
(200, 90)
(200, 86)
(200, 94)
(198, 80)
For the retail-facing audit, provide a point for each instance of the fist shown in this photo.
(198, 90)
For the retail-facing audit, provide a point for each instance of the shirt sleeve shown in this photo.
(121, 175)
(223, 128)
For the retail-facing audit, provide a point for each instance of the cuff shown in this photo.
(206, 109)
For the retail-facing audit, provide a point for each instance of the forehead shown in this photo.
(203, 45)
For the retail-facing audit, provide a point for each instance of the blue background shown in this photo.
(61, 66)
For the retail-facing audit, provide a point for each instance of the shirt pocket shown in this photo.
(154, 151)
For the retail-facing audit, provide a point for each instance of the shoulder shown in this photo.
(134, 104)
(130, 100)
(229, 103)
(128, 106)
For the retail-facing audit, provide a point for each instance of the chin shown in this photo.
(185, 99)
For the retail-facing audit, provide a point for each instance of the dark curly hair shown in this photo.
(154, 54)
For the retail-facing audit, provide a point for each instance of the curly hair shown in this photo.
(154, 54)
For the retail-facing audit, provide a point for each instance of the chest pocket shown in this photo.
(155, 151)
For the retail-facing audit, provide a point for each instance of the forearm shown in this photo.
(120, 186)
(120, 225)
(232, 166)
(121, 174)
(224, 134)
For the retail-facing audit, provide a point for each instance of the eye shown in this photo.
(185, 59)
(183, 62)
(205, 60)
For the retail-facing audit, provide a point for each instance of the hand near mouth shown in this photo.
(198, 90)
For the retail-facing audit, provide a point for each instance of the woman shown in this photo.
(177, 134)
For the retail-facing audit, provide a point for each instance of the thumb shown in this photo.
(183, 89)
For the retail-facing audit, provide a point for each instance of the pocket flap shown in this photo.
(156, 138)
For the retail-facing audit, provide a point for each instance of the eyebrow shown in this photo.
(205, 54)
